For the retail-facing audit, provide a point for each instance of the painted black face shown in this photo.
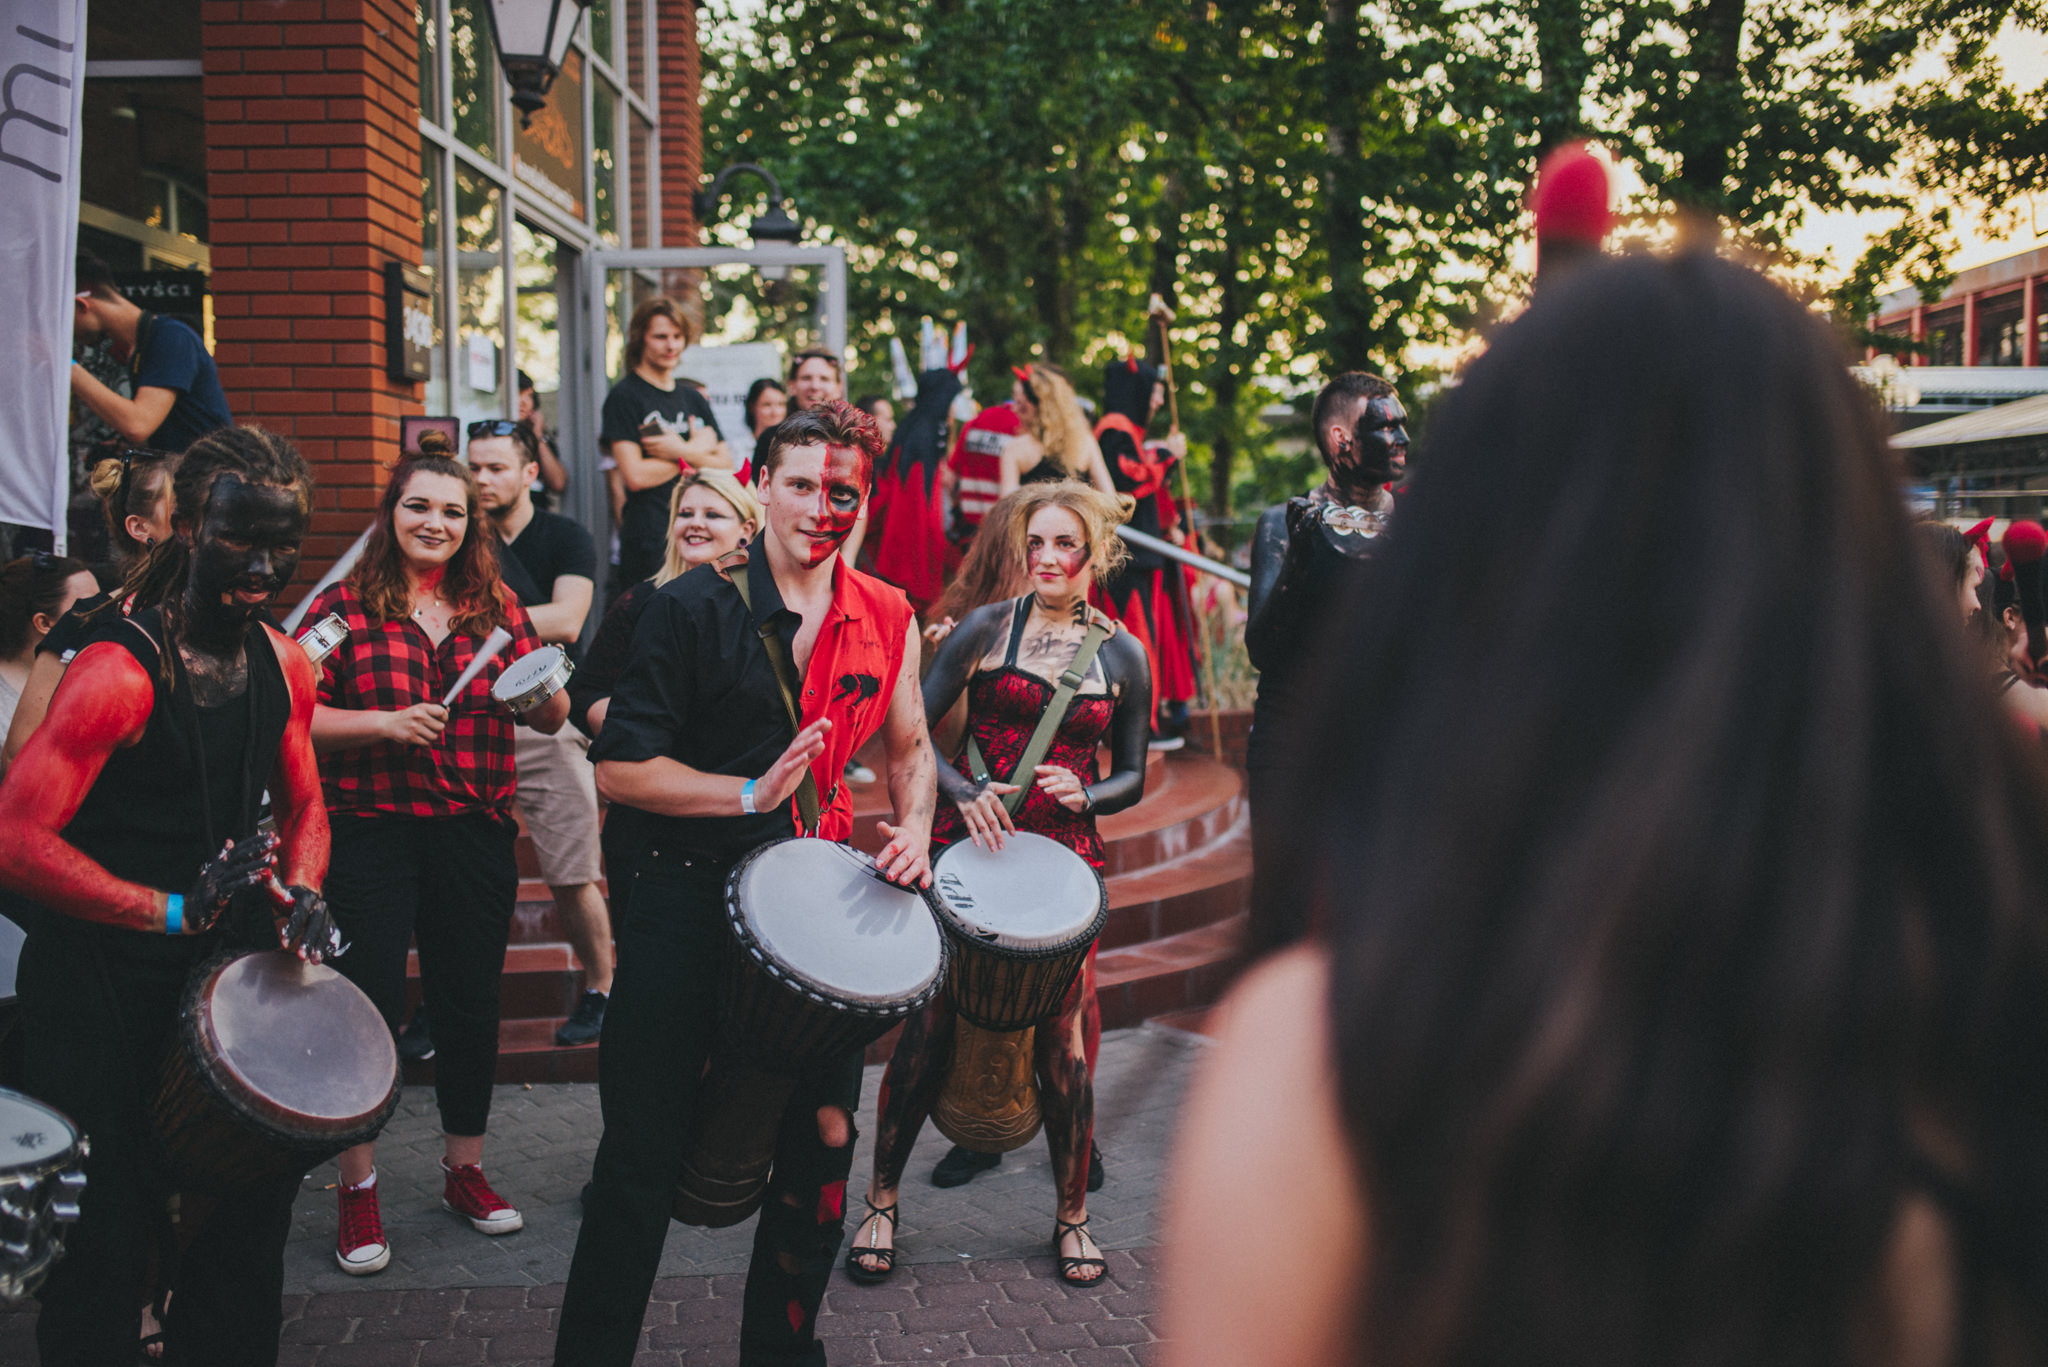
(1377, 450)
(244, 551)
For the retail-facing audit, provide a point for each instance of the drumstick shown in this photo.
(488, 651)
(333, 575)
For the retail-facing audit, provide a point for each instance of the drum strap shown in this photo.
(1049, 721)
(778, 660)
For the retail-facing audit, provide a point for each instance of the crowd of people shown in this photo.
(1649, 962)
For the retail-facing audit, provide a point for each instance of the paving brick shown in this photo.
(923, 1348)
(934, 1318)
(1061, 1337)
(452, 1353)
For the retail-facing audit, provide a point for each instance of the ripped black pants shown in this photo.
(658, 1030)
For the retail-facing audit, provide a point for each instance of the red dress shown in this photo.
(1003, 708)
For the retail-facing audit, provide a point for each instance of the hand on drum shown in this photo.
(906, 860)
(235, 869)
(986, 816)
(773, 788)
(308, 930)
(1063, 786)
(420, 724)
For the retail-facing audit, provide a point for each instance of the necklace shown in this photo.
(420, 611)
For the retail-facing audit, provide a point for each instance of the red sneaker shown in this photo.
(467, 1194)
(359, 1245)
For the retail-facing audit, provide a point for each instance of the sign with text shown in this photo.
(548, 155)
(42, 52)
(408, 322)
(726, 372)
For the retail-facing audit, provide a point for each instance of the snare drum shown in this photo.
(279, 1066)
(1020, 920)
(533, 678)
(40, 1179)
(826, 956)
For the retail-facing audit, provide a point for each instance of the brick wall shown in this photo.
(682, 121)
(314, 173)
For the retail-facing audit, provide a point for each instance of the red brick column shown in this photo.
(313, 168)
(682, 121)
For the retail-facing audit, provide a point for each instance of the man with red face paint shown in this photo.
(1305, 555)
(131, 818)
(697, 753)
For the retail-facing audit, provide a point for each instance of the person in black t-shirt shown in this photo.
(654, 429)
(178, 397)
(553, 479)
(550, 562)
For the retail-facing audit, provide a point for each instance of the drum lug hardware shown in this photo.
(15, 1252)
(64, 1212)
(71, 1181)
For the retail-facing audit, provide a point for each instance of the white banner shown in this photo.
(42, 86)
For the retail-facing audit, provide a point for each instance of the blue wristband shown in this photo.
(747, 798)
(174, 913)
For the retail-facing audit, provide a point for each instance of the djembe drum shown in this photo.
(40, 1180)
(279, 1066)
(1020, 920)
(825, 956)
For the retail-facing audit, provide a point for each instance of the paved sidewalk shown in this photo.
(975, 1279)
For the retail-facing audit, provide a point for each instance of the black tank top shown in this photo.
(163, 807)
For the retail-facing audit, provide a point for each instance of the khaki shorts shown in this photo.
(557, 798)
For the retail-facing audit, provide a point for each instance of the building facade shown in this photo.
(259, 165)
(1993, 315)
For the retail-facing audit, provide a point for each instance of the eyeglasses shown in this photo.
(494, 427)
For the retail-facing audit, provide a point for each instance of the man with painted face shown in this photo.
(131, 818)
(697, 752)
(1305, 554)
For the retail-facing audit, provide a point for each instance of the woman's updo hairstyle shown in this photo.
(131, 485)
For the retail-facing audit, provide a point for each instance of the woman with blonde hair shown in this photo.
(1056, 441)
(1007, 657)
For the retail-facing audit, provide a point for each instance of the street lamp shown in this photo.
(533, 38)
(770, 226)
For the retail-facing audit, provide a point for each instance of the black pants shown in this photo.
(449, 882)
(658, 1031)
(100, 1010)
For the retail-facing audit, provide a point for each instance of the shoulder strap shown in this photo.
(778, 661)
(1076, 672)
(1018, 618)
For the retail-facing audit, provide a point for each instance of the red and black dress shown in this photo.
(1004, 705)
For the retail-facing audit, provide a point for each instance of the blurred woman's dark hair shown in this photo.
(1683, 886)
(754, 393)
(31, 585)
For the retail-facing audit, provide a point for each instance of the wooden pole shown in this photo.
(1159, 313)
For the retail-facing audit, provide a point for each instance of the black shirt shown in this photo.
(549, 547)
(611, 650)
(700, 690)
(643, 527)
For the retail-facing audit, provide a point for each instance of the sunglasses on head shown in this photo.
(493, 427)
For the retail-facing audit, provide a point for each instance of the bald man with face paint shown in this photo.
(698, 758)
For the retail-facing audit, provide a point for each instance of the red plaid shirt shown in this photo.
(393, 666)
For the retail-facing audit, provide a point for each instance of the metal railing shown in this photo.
(1145, 541)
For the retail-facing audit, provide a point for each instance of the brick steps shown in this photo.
(1179, 878)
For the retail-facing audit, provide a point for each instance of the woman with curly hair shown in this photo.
(1056, 441)
(421, 802)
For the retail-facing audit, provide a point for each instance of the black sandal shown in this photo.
(1070, 1266)
(868, 1276)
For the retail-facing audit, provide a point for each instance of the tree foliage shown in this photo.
(1317, 185)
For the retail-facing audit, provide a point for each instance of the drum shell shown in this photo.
(989, 1102)
(1003, 987)
(215, 1136)
(729, 1149)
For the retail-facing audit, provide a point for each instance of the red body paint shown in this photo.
(842, 487)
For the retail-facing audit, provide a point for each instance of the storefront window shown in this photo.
(636, 49)
(479, 298)
(476, 76)
(141, 31)
(547, 154)
(436, 391)
(640, 156)
(2000, 333)
(425, 16)
(601, 31)
(1941, 341)
(604, 142)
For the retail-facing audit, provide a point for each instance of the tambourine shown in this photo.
(321, 639)
(533, 678)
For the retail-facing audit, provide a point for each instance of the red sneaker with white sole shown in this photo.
(359, 1245)
(465, 1192)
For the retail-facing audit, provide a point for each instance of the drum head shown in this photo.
(520, 677)
(818, 912)
(300, 1037)
(1034, 893)
(31, 1134)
